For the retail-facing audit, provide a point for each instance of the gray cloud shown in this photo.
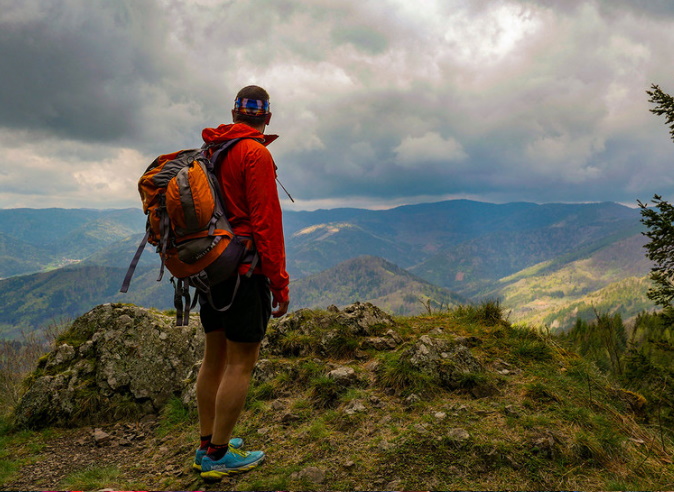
(79, 69)
(376, 101)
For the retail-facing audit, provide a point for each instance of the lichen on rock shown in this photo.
(451, 363)
(115, 361)
(306, 332)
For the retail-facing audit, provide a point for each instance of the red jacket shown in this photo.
(247, 175)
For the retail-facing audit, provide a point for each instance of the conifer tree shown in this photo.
(664, 106)
(659, 220)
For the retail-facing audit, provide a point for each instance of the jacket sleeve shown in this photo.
(266, 219)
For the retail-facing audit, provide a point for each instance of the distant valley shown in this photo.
(546, 263)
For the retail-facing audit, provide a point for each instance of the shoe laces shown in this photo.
(239, 452)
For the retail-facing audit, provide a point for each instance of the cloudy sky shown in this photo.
(378, 102)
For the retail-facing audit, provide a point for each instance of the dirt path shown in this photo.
(138, 459)
(129, 449)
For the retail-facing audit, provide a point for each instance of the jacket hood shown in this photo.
(235, 130)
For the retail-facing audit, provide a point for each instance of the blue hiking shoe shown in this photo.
(234, 461)
(235, 442)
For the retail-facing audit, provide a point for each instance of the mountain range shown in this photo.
(546, 263)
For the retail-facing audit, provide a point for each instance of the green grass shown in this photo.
(399, 375)
(342, 346)
(489, 313)
(18, 447)
(262, 391)
(175, 414)
(7, 468)
(541, 392)
(546, 428)
(536, 350)
(535, 420)
(325, 392)
(581, 416)
(307, 370)
(472, 379)
(92, 478)
(295, 344)
(318, 429)
(270, 483)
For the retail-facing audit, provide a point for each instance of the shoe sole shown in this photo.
(214, 475)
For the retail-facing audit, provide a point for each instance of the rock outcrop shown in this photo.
(120, 361)
(115, 361)
(451, 362)
(338, 333)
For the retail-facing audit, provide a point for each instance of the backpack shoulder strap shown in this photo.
(220, 151)
(223, 148)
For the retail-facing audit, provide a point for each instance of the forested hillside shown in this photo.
(32, 240)
(611, 279)
(371, 279)
(547, 263)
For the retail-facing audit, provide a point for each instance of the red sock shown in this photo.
(205, 441)
(217, 451)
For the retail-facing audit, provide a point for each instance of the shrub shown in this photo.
(17, 359)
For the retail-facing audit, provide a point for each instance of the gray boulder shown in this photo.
(115, 361)
(295, 335)
(449, 362)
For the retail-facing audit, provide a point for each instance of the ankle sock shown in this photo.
(205, 441)
(217, 451)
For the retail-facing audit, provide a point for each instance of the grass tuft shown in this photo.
(92, 478)
(396, 374)
(541, 393)
(325, 392)
(341, 346)
(175, 414)
(489, 313)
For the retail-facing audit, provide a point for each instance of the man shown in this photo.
(247, 176)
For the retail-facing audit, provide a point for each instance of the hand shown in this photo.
(280, 308)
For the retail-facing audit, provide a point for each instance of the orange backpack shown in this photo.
(186, 222)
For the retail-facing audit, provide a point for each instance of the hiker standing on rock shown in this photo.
(247, 176)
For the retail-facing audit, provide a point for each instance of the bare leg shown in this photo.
(231, 395)
(209, 379)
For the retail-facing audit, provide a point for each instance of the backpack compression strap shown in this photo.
(134, 262)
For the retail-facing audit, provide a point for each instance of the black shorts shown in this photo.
(246, 320)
